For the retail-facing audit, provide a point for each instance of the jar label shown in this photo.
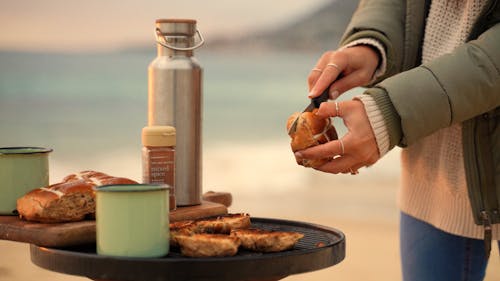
(159, 166)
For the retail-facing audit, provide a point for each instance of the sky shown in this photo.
(93, 25)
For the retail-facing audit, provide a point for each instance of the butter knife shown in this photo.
(315, 103)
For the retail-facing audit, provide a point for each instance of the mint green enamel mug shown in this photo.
(21, 170)
(132, 220)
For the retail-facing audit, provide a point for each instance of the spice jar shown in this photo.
(158, 157)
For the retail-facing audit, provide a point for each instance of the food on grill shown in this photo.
(260, 240)
(217, 225)
(311, 131)
(223, 224)
(217, 236)
(208, 245)
(70, 200)
(181, 228)
(320, 244)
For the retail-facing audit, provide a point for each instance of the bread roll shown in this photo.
(208, 245)
(267, 241)
(311, 131)
(70, 200)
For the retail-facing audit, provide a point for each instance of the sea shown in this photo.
(90, 109)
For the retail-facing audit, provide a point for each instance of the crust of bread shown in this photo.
(217, 225)
(223, 224)
(73, 199)
(260, 240)
(181, 228)
(197, 238)
(34, 203)
(311, 131)
(208, 245)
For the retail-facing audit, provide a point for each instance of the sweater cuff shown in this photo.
(392, 65)
(377, 123)
(391, 118)
(376, 45)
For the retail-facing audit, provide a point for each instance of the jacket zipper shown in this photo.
(485, 216)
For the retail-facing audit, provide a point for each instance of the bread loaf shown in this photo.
(311, 131)
(70, 200)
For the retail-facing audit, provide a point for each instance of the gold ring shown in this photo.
(341, 147)
(334, 65)
(337, 109)
(317, 69)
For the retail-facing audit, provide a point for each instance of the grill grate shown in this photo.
(320, 247)
(314, 237)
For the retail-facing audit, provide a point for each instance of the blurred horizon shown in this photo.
(99, 26)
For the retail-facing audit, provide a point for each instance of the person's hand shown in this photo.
(356, 149)
(350, 67)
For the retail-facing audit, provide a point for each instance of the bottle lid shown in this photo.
(158, 136)
(176, 27)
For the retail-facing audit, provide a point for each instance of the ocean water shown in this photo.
(51, 99)
(82, 103)
(90, 109)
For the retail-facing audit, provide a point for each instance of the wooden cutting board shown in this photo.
(83, 232)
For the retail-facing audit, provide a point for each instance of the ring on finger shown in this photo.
(337, 108)
(317, 69)
(334, 65)
(341, 147)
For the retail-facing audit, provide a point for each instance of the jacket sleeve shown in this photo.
(384, 21)
(450, 89)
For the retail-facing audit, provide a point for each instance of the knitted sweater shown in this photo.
(433, 178)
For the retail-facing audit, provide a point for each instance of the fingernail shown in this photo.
(298, 155)
(334, 94)
(310, 95)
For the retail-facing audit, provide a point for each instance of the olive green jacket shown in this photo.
(461, 87)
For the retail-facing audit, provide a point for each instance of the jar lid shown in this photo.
(158, 136)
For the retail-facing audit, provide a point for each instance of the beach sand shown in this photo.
(265, 182)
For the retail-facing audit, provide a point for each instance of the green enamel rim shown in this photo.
(131, 187)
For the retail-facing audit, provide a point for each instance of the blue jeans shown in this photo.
(429, 254)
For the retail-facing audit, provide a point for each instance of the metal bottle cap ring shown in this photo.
(160, 37)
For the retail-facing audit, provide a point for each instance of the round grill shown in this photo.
(321, 247)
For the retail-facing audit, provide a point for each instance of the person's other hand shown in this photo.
(356, 149)
(350, 67)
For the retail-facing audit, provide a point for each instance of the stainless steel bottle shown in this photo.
(175, 99)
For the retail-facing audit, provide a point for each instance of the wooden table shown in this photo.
(83, 232)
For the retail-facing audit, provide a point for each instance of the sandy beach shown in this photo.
(266, 183)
